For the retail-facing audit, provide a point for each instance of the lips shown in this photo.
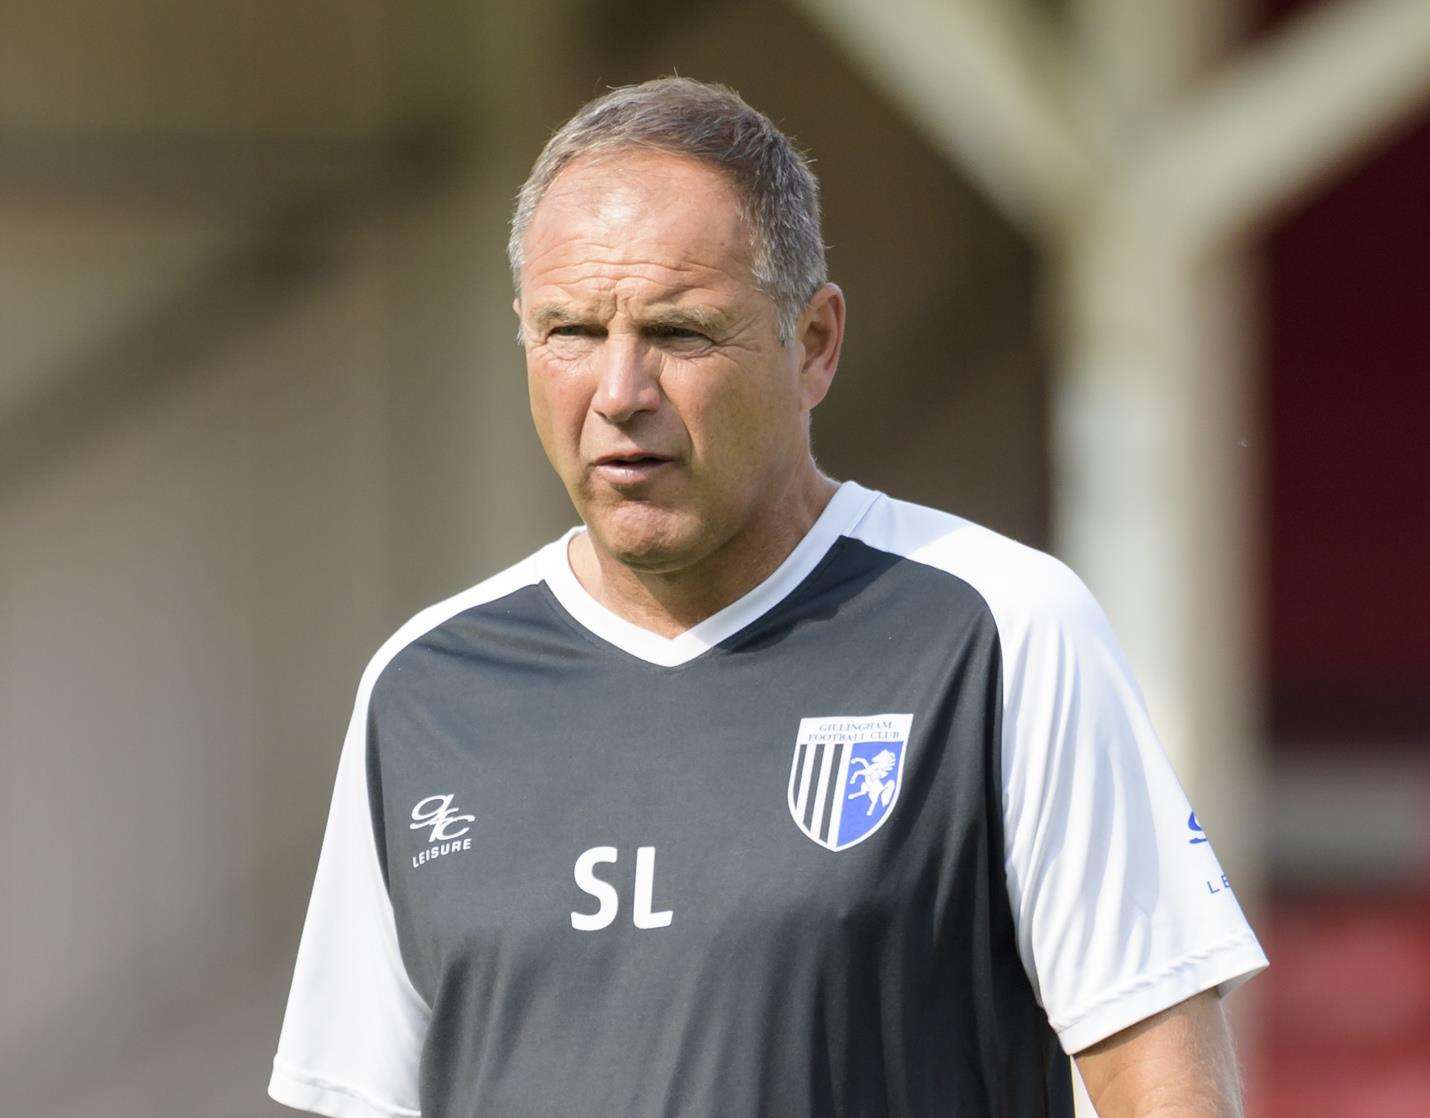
(632, 458)
(630, 467)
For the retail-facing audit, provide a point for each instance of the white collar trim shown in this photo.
(845, 509)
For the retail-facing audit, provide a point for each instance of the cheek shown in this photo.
(559, 403)
(740, 422)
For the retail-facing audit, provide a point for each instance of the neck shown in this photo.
(670, 602)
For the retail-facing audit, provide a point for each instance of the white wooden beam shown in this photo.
(1283, 116)
(1134, 56)
(989, 84)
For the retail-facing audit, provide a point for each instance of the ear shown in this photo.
(819, 334)
(520, 333)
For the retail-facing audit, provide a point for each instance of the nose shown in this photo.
(628, 379)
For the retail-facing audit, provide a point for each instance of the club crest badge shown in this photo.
(845, 775)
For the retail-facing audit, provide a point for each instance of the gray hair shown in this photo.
(780, 195)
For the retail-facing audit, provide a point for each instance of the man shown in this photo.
(759, 794)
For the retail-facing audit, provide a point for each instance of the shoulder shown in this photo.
(1026, 591)
(526, 572)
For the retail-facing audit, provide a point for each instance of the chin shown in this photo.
(647, 537)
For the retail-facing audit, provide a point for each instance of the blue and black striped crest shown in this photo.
(845, 775)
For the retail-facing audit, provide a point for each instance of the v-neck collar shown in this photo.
(845, 509)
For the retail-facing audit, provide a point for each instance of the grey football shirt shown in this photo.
(890, 835)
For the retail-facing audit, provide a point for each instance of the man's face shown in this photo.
(658, 385)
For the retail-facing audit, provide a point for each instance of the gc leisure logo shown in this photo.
(445, 826)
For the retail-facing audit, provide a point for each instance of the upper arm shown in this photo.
(1120, 905)
(354, 1026)
(1177, 1062)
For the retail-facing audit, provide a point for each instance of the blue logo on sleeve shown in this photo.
(1192, 824)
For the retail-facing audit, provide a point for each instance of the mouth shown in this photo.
(627, 469)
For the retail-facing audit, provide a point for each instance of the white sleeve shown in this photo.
(1120, 905)
(352, 1035)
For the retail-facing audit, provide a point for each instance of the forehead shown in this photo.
(638, 220)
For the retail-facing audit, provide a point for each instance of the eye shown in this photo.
(572, 330)
(673, 333)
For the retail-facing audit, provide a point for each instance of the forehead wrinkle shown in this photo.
(574, 260)
(638, 306)
(605, 297)
(584, 229)
(651, 283)
(579, 276)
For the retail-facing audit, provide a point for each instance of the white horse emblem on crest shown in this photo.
(841, 763)
(874, 775)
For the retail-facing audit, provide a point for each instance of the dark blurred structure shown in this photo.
(1347, 652)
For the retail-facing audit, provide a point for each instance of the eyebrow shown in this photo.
(552, 314)
(705, 320)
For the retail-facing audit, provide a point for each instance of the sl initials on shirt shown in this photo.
(605, 915)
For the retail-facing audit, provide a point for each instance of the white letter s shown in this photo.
(588, 882)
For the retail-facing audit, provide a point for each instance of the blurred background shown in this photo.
(1146, 284)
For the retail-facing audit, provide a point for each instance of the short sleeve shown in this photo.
(1121, 907)
(353, 1031)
